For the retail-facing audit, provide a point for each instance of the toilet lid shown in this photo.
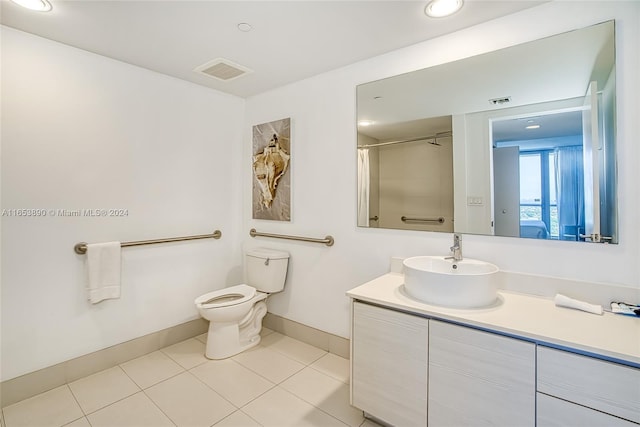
(226, 297)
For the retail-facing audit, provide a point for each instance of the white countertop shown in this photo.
(609, 335)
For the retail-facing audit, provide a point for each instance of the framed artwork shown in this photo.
(271, 177)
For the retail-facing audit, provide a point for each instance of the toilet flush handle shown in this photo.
(266, 262)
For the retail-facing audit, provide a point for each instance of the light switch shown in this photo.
(474, 201)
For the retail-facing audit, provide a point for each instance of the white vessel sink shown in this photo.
(460, 284)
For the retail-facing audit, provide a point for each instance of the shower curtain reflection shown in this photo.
(570, 192)
(363, 187)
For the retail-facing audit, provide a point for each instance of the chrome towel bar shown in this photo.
(439, 220)
(328, 240)
(81, 248)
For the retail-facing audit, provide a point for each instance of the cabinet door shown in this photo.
(597, 384)
(389, 365)
(478, 378)
(554, 412)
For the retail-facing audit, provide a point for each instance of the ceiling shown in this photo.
(289, 41)
(555, 125)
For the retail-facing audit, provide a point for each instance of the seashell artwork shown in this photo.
(271, 184)
(268, 167)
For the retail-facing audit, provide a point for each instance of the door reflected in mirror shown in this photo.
(525, 151)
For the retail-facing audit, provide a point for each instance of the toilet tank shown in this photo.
(266, 269)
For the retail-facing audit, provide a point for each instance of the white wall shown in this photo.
(323, 165)
(83, 131)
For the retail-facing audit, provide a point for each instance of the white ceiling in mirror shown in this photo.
(549, 125)
(408, 129)
(558, 67)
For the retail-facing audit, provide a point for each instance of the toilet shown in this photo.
(235, 314)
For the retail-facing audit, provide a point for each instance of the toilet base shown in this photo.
(226, 339)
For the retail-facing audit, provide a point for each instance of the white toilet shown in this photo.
(235, 313)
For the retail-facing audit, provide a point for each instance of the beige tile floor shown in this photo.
(281, 382)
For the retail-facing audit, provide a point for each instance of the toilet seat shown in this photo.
(226, 297)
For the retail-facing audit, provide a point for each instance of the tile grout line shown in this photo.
(251, 416)
(279, 382)
(254, 371)
(71, 422)
(140, 389)
(215, 391)
(285, 354)
(143, 390)
(311, 403)
(239, 408)
(84, 414)
(279, 385)
(268, 347)
(179, 364)
(314, 406)
(159, 408)
(161, 381)
(112, 403)
(330, 376)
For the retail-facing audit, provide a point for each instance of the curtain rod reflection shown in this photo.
(434, 138)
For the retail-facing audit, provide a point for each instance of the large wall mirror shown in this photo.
(519, 142)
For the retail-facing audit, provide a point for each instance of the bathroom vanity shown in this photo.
(520, 362)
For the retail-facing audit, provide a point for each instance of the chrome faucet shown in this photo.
(456, 249)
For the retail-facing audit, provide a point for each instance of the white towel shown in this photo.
(103, 263)
(565, 301)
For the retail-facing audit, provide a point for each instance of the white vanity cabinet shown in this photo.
(522, 362)
(479, 378)
(472, 377)
(389, 365)
(584, 391)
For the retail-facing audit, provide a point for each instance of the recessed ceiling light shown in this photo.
(532, 127)
(442, 8)
(37, 5)
(365, 122)
(244, 27)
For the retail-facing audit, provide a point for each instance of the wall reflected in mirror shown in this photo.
(481, 146)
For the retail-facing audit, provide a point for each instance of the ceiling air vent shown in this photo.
(500, 101)
(222, 69)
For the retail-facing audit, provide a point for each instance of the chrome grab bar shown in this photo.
(81, 248)
(439, 220)
(328, 240)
